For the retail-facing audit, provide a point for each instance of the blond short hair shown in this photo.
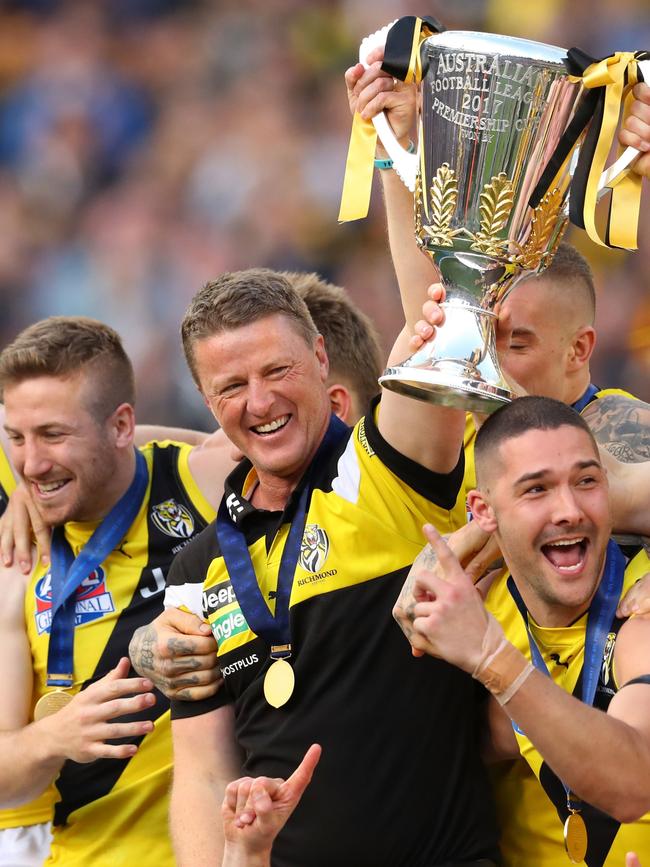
(63, 346)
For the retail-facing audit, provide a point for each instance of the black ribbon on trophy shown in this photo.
(608, 84)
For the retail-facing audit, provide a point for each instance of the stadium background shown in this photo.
(147, 145)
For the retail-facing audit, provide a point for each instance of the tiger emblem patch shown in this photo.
(173, 519)
(314, 548)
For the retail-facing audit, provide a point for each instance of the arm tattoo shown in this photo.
(622, 426)
(426, 559)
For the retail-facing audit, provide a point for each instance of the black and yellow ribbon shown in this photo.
(608, 86)
(401, 60)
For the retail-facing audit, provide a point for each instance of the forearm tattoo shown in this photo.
(426, 560)
(622, 426)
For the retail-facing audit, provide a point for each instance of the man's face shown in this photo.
(59, 449)
(541, 339)
(266, 388)
(549, 498)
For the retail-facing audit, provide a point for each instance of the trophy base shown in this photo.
(446, 388)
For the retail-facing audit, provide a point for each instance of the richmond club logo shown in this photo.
(314, 548)
(93, 600)
(173, 519)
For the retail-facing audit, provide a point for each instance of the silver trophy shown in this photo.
(492, 111)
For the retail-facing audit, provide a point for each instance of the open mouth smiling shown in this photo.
(271, 427)
(48, 489)
(567, 556)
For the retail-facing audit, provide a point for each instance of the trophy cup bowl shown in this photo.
(493, 109)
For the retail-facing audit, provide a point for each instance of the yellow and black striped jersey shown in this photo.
(532, 815)
(113, 811)
(388, 723)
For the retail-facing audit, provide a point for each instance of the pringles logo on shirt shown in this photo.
(93, 600)
(173, 519)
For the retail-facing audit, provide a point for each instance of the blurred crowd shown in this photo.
(147, 145)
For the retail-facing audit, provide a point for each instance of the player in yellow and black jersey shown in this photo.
(535, 836)
(580, 705)
(361, 535)
(325, 522)
(550, 356)
(67, 386)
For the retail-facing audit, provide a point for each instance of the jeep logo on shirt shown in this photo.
(217, 597)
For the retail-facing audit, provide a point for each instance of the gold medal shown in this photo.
(51, 702)
(575, 838)
(279, 682)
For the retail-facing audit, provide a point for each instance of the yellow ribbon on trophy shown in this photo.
(401, 60)
(616, 75)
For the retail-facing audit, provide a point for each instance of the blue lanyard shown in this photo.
(601, 614)
(68, 572)
(586, 398)
(234, 548)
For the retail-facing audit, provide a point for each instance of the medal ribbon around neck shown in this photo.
(586, 398)
(599, 621)
(232, 542)
(68, 572)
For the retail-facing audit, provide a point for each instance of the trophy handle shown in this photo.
(616, 172)
(404, 163)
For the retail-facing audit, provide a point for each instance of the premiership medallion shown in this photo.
(279, 682)
(51, 703)
(575, 838)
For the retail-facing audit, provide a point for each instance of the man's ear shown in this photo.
(341, 402)
(582, 347)
(482, 511)
(321, 357)
(122, 425)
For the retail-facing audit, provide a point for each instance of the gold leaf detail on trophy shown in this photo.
(417, 202)
(542, 226)
(443, 197)
(496, 202)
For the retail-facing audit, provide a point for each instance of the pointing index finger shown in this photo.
(301, 777)
(447, 560)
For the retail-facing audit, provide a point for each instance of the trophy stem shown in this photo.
(458, 367)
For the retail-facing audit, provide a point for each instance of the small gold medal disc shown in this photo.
(575, 838)
(279, 682)
(51, 702)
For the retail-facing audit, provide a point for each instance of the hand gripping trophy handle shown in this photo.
(405, 164)
(493, 110)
